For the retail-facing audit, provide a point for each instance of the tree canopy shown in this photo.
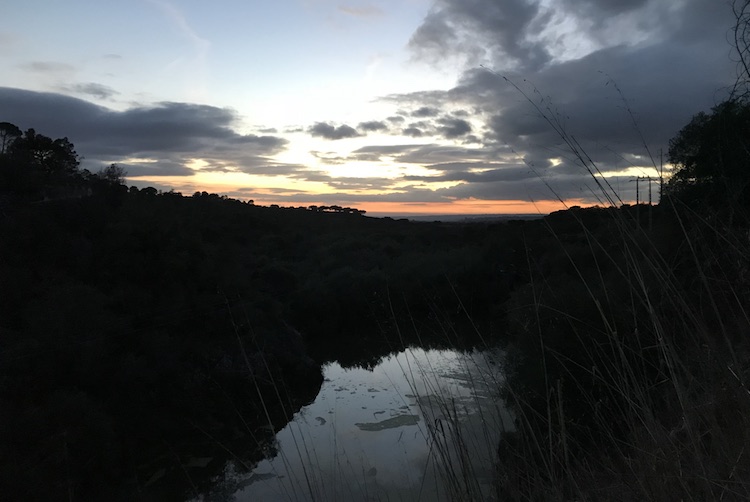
(712, 157)
(8, 134)
(35, 167)
(55, 157)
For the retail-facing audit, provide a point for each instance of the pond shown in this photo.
(420, 425)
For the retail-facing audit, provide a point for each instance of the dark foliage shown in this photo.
(712, 157)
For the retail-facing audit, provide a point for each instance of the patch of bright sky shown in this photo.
(300, 148)
(238, 179)
(570, 37)
(632, 172)
(565, 39)
(140, 160)
(283, 62)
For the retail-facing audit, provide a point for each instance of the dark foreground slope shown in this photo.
(628, 350)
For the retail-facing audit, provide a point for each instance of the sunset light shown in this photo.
(409, 106)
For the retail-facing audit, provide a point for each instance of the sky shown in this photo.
(396, 107)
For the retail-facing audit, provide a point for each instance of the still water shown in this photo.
(421, 425)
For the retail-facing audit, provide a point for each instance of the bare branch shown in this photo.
(741, 46)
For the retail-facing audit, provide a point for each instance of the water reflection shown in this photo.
(388, 433)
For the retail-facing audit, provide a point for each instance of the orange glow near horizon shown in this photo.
(468, 207)
(464, 206)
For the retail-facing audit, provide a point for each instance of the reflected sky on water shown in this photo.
(386, 433)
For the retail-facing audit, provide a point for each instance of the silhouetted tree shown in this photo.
(8, 134)
(741, 43)
(55, 158)
(712, 157)
(112, 174)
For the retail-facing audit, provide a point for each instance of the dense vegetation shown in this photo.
(135, 323)
(628, 346)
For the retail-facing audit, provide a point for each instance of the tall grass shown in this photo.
(459, 437)
(641, 357)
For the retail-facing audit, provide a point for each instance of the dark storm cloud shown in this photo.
(373, 125)
(447, 126)
(419, 129)
(51, 114)
(611, 110)
(433, 156)
(614, 102)
(427, 99)
(425, 111)
(481, 31)
(329, 131)
(452, 128)
(173, 133)
(396, 119)
(413, 132)
(527, 35)
(424, 125)
(609, 7)
(164, 167)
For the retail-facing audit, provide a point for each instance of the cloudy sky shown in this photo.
(393, 106)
